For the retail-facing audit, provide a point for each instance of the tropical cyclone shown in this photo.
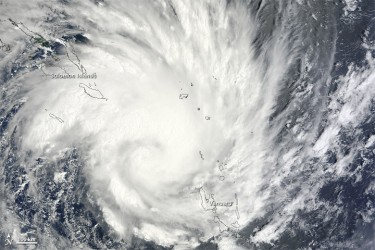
(212, 122)
(143, 162)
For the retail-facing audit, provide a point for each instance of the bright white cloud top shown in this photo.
(189, 124)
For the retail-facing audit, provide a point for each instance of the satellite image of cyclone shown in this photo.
(187, 124)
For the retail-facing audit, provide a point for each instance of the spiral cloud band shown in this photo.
(193, 119)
